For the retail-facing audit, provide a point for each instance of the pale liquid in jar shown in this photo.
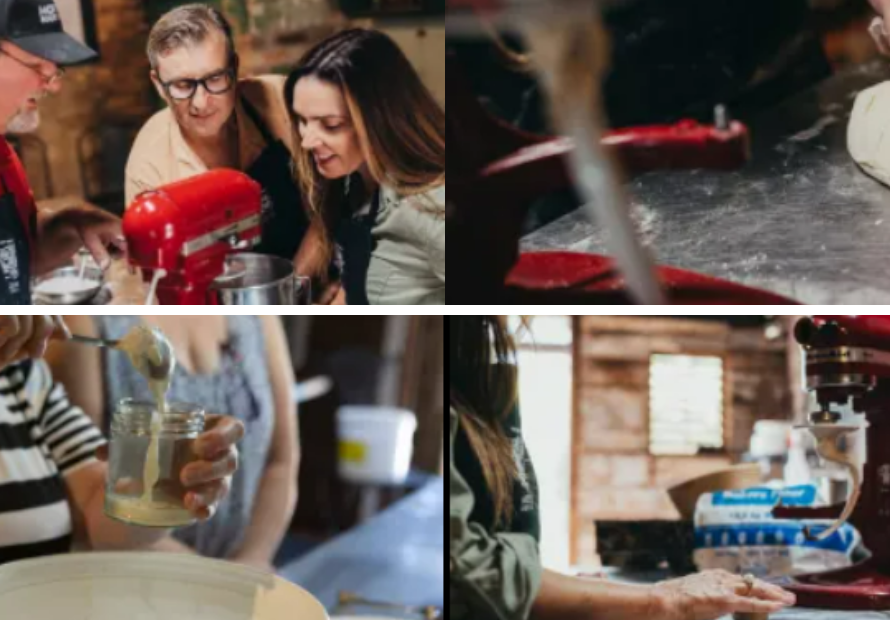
(152, 508)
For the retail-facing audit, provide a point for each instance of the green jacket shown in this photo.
(494, 574)
(408, 263)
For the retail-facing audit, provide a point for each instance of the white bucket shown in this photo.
(375, 444)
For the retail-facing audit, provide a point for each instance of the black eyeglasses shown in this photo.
(48, 80)
(215, 84)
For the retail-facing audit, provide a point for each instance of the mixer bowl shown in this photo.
(258, 280)
(45, 295)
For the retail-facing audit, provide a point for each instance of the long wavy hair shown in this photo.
(482, 386)
(400, 125)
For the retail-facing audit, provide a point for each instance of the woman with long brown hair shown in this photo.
(372, 168)
(493, 528)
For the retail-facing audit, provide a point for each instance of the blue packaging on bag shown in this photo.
(735, 531)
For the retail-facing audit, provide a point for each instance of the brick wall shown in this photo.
(615, 477)
(115, 88)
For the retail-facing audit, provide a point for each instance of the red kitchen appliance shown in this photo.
(188, 228)
(848, 362)
(496, 171)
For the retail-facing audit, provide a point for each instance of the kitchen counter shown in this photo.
(800, 219)
(822, 614)
(795, 613)
(397, 556)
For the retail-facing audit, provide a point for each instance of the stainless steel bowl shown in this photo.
(92, 274)
(257, 279)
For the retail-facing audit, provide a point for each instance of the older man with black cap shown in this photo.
(33, 48)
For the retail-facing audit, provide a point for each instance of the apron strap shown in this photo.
(253, 115)
(375, 205)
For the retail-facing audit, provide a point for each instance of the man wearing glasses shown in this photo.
(33, 47)
(213, 120)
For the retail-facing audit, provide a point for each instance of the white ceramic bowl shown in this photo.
(93, 279)
(147, 586)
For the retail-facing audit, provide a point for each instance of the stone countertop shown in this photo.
(801, 219)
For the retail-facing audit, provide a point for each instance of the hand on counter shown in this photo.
(713, 594)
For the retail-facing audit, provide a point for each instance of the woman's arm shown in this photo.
(500, 576)
(704, 596)
(312, 260)
(567, 598)
(277, 496)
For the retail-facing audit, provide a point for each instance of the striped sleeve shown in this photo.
(67, 434)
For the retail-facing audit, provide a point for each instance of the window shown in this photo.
(544, 332)
(544, 356)
(685, 404)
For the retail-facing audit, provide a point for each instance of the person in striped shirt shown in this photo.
(52, 479)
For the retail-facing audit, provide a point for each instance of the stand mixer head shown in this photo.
(181, 234)
(848, 363)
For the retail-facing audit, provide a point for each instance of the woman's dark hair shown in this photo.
(482, 387)
(400, 126)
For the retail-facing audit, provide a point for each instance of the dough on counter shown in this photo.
(868, 134)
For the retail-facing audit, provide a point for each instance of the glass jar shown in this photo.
(129, 463)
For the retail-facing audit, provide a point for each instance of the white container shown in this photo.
(375, 444)
(770, 439)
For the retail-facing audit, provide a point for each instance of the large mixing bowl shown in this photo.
(148, 586)
(259, 280)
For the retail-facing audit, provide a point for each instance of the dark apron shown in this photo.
(284, 221)
(15, 256)
(357, 244)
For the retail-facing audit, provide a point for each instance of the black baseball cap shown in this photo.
(36, 27)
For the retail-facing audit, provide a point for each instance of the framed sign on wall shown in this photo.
(79, 20)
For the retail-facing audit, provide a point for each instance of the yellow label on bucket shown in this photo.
(353, 451)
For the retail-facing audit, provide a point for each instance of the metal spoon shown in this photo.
(64, 333)
(156, 371)
(95, 342)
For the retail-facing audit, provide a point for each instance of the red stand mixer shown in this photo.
(189, 228)
(848, 362)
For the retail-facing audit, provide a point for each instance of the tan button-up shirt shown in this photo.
(161, 155)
